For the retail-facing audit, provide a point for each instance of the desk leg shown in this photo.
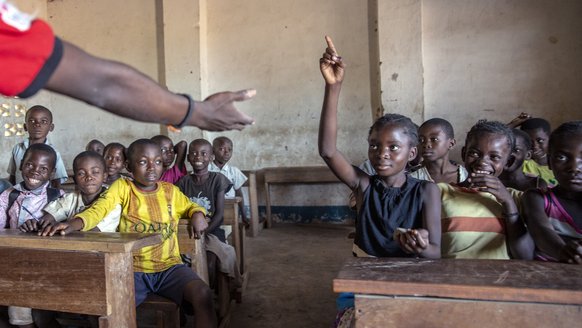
(254, 204)
(236, 237)
(120, 291)
(268, 205)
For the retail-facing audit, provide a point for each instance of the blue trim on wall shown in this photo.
(311, 214)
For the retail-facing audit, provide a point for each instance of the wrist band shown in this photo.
(188, 113)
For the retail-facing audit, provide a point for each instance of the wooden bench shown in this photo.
(83, 272)
(294, 175)
(407, 292)
(251, 183)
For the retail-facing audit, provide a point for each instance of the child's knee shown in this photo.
(198, 293)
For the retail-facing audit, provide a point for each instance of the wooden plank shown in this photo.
(119, 286)
(495, 280)
(109, 242)
(231, 218)
(253, 201)
(195, 249)
(66, 281)
(432, 312)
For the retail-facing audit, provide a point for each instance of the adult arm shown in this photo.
(122, 90)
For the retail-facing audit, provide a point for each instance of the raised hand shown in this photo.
(331, 64)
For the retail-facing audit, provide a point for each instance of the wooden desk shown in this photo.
(84, 272)
(253, 201)
(462, 293)
(294, 175)
(238, 232)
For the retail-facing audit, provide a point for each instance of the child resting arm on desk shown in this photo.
(151, 206)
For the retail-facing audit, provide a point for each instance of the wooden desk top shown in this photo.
(496, 280)
(108, 242)
(299, 174)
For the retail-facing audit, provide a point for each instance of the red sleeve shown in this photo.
(27, 57)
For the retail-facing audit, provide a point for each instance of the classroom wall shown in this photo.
(457, 59)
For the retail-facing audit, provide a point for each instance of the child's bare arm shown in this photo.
(123, 90)
(522, 117)
(180, 150)
(542, 232)
(431, 218)
(12, 179)
(75, 224)
(217, 217)
(519, 241)
(197, 225)
(34, 225)
(241, 207)
(332, 68)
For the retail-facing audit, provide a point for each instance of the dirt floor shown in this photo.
(292, 268)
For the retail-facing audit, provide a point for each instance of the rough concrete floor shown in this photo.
(292, 268)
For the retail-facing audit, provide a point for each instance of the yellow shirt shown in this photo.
(156, 211)
(532, 168)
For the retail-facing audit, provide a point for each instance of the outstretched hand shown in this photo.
(331, 64)
(218, 113)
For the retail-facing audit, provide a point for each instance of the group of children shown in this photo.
(497, 205)
(151, 196)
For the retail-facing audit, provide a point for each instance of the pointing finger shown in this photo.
(330, 44)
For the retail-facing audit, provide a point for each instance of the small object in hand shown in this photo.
(398, 232)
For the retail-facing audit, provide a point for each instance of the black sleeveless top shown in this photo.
(383, 210)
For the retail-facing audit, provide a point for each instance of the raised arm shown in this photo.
(122, 90)
(332, 68)
(180, 150)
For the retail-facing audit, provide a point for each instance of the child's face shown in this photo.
(486, 153)
(147, 166)
(38, 124)
(519, 154)
(89, 176)
(566, 162)
(37, 168)
(199, 156)
(114, 161)
(433, 143)
(223, 152)
(389, 150)
(168, 155)
(540, 140)
(96, 147)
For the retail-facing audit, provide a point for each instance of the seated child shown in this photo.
(89, 175)
(170, 153)
(148, 202)
(96, 146)
(24, 202)
(554, 216)
(390, 199)
(207, 189)
(114, 155)
(480, 217)
(38, 123)
(539, 131)
(512, 175)
(222, 148)
(437, 138)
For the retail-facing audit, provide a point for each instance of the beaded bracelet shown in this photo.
(188, 113)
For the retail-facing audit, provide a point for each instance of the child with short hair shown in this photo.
(89, 175)
(170, 153)
(512, 175)
(390, 199)
(554, 216)
(114, 155)
(148, 202)
(222, 148)
(480, 216)
(24, 202)
(437, 138)
(539, 131)
(96, 146)
(208, 189)
(38, 122)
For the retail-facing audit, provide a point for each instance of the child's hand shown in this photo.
(412, 240)
(62, 227)
(29, 226)
(522, 117)
(331, 64)
(572, 252)
(491, 184)
(197, 225)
